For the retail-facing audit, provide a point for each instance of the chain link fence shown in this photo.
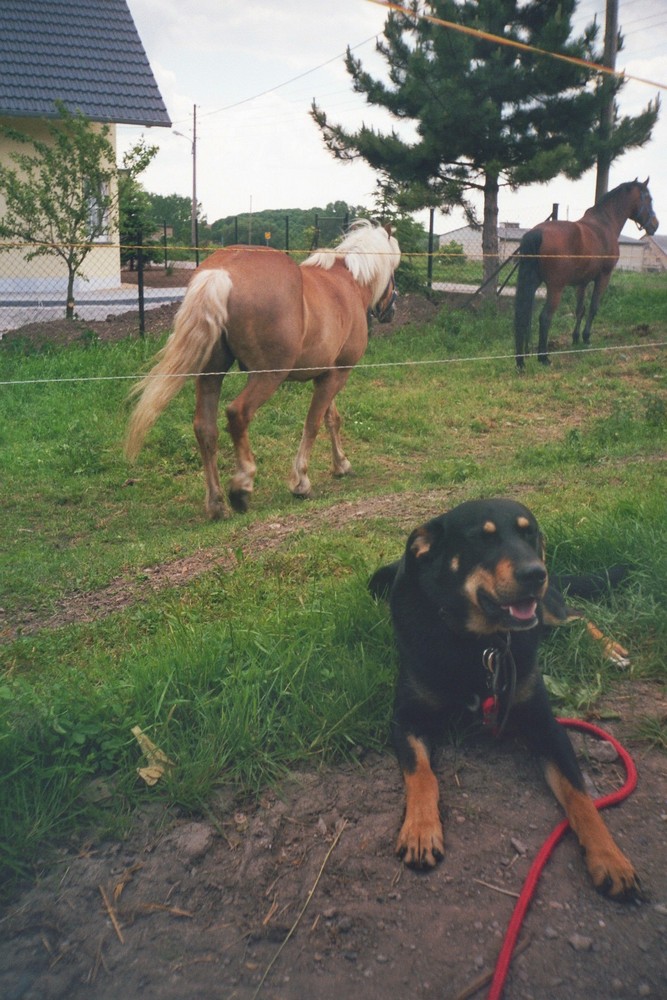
(34, 286)
(115, 280)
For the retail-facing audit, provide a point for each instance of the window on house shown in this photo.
(98, 215)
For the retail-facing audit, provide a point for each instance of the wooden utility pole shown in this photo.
(608, 92)
(195, 225)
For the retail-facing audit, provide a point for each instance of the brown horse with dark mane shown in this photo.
(278, 320)
(575, 253)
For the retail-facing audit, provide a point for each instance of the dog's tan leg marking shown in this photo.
(612, 650)
(421, 842)
(612, 873)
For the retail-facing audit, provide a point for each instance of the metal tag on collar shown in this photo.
(501, 681)
(491, 661)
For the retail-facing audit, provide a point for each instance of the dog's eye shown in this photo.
(531, 537)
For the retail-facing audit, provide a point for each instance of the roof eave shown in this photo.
(144, 121)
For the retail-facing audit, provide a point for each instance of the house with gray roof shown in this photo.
(87, 54)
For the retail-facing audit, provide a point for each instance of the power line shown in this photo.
(512, 43)
(285, 83)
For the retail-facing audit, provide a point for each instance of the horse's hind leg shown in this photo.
(599, 286)
(341, 465)
(580, 310)
(258, 389)
(322, 406)
(546, 316)
(207, 393)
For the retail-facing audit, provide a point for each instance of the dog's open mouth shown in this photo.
(522, 611)
(520, 614)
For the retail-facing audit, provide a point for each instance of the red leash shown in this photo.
(528, 891)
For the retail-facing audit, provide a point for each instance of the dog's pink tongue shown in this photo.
(523, 611)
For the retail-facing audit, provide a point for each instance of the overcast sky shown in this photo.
(253, 69)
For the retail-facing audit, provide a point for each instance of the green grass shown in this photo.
(242, 674)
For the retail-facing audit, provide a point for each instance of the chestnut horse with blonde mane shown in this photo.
(575, 253)
(279, 321)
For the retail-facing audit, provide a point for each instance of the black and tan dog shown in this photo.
(470, 602)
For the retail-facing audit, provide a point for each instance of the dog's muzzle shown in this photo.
(517, 616)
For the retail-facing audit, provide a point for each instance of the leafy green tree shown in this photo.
(293, 225)
(135, 218)
(62, 195)
(452, 253)
(485, 114)
(176, 211)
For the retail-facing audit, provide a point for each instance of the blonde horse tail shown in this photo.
(199, 324)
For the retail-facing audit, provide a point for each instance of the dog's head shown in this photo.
(481, 565)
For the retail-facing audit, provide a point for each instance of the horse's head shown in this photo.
(643, 213)
(385, 307)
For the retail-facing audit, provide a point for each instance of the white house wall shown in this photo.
(46, 277)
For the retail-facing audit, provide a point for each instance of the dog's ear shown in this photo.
(423, 540)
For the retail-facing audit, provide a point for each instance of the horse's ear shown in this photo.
(646, 182)
(388, 231)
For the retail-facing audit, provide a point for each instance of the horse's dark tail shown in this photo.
(527, 284)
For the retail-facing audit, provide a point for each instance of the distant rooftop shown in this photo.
(513, 231)
(661, 241)
(86, 53)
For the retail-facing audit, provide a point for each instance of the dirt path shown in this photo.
(254, 540)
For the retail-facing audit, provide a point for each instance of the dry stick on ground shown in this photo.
(302, 910)
(496, 888)
(112, 915)
(99, 961)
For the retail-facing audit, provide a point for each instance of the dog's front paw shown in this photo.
(421, 845)
(613, 874)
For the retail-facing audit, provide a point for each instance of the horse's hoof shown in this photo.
(217, 511)
(544, 359)
(240, 500)
(302, 496)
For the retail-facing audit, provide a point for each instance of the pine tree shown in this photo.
(486, 114)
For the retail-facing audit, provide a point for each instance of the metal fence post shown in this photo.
(429, 278)
(140, 282)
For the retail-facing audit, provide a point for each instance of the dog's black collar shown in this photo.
(500, 667)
